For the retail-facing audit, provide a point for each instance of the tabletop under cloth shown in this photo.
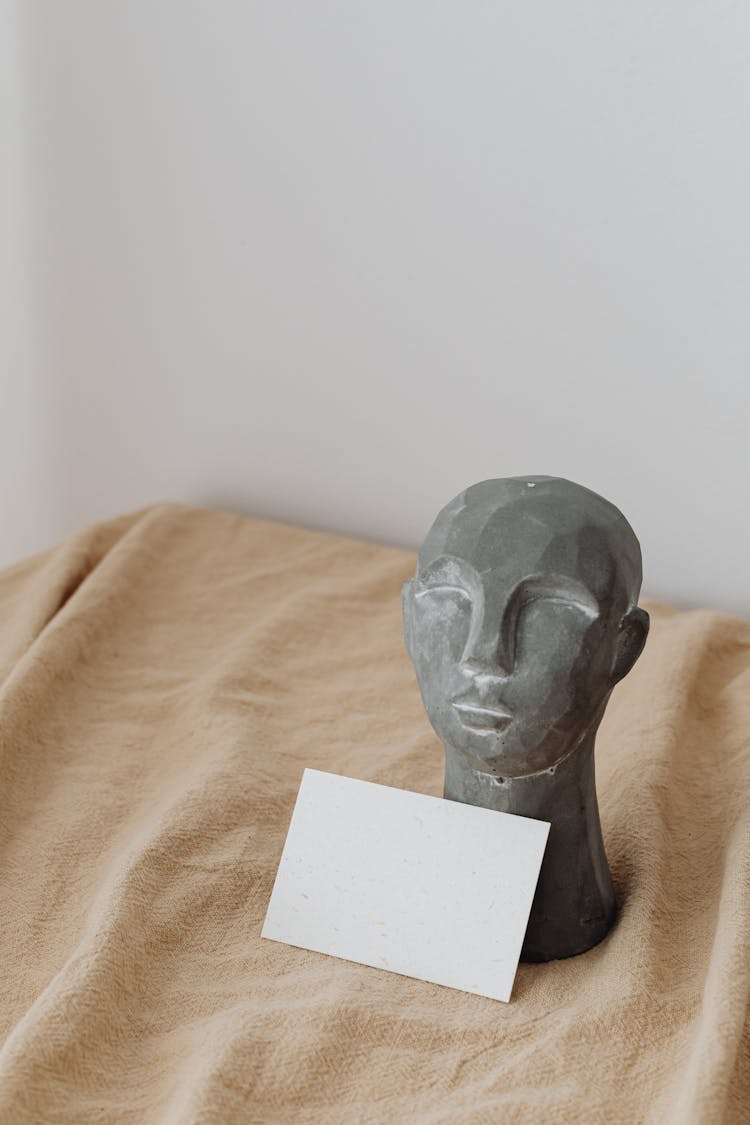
(165, 678)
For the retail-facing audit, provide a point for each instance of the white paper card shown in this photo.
(416, 885)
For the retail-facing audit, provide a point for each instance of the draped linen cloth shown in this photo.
(165, 678)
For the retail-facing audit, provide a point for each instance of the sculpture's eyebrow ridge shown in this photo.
(447, 570)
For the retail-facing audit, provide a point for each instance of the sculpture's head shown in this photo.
(521, 618)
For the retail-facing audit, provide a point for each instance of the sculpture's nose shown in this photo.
(490, 648)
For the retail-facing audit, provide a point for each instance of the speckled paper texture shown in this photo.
(412, 884)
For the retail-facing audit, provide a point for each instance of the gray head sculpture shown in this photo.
(521, 618)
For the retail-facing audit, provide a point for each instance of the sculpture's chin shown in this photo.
(504, 759)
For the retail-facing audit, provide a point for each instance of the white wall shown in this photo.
(24, 521)
(332, 261)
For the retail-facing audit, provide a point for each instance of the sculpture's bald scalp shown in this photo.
(549, 525)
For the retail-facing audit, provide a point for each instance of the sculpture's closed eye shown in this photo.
(441, 588)
(559, 592)
(446, 576)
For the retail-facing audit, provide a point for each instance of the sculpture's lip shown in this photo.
(481, 717)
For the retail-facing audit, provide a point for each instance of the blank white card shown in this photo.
(416, 885)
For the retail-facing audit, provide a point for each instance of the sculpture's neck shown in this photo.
(574, 904)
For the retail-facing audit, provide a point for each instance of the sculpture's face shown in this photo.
(514, 653)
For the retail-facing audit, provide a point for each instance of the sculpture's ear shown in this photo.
(630, 642)
(407, 605)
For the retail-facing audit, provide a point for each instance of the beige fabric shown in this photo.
(165, 680)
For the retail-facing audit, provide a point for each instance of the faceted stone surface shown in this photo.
(521, 618)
